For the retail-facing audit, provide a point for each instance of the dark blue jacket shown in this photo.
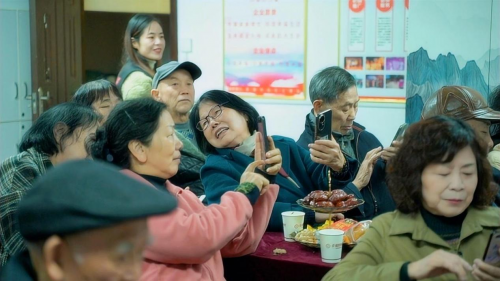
(222, 172)
(378, 199)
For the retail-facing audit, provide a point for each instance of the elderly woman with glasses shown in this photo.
(225, 131)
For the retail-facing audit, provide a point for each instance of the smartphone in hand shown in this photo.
(261, 127)
(400, 133)
(491, 255)
(323, 128)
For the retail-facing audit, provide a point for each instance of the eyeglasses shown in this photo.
(213, 114)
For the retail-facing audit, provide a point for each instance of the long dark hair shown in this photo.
(230, 101)
(135, 119)
(41, 135)
(135, 28)
(435, 140)
(93, 91)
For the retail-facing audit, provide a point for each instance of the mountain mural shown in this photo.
(425, 76)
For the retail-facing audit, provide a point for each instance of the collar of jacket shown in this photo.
(474, 222)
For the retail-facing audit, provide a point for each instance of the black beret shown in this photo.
(82, 195)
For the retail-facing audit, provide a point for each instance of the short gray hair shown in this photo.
(330, 82)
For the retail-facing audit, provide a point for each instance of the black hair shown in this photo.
(93, 91)
(136, 119)
(230, 101)
(135, 28)
(41, 135)
(329, 83)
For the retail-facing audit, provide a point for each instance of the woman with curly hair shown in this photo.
(442, 185)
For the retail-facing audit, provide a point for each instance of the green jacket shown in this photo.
(395, 238)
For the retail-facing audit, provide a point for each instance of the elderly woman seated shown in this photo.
(441, 182)
(60, 134)
(225, 131)
(189, 243)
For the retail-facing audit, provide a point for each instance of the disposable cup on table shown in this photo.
(293, 221)
(330, 241)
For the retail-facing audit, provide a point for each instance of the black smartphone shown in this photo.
(401, 131)
(261, 127)
(491, 255)
(323, 129)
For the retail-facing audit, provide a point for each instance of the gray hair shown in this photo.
(329, 83)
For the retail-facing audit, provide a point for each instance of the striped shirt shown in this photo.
(17, 174)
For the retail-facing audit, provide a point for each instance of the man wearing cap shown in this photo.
(84, 220)
(468, 105)
(173, 85)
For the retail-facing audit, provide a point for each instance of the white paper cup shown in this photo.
(293, 221)
(330, 241)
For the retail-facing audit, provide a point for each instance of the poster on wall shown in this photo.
(438, 57)
(372, 47)
(264, 48)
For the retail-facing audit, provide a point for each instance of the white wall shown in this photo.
(200, 32)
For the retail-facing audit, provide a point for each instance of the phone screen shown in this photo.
(491, 255)
(401, 131)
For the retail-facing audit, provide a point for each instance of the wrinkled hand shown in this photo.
(273, 156)
(485, 272)
(439, 263)
(322, 217)
(390, 151)
(327, 152)
(249, 175)
(366, 169)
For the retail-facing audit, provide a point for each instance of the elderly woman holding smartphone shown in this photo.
(189, 243)
(225, 131)
(441, 182)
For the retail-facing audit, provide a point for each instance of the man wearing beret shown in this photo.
(468, 105)
(84, 220)
(173, 86)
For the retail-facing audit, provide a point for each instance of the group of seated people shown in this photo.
(432, 194)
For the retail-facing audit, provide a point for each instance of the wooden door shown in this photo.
(56, 57)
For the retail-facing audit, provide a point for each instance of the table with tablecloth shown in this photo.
(299, 262)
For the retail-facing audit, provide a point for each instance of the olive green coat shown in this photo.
(395, 238)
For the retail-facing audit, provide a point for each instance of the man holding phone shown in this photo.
(334, 88)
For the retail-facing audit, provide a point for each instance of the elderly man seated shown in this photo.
(85, 221)
(468, 105)
(173, 85)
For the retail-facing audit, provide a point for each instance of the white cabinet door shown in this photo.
(24, 66)
(23, 128)
(9, 139)
(9, 86)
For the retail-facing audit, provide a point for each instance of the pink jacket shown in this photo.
(189, 243)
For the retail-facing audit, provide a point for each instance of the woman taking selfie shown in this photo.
(189, 243)
(224, 126)
(441, 183)
(143, 46)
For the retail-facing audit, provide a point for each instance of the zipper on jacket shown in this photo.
(369, 182)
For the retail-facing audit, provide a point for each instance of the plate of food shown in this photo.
(354, 231)
(335, 201)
